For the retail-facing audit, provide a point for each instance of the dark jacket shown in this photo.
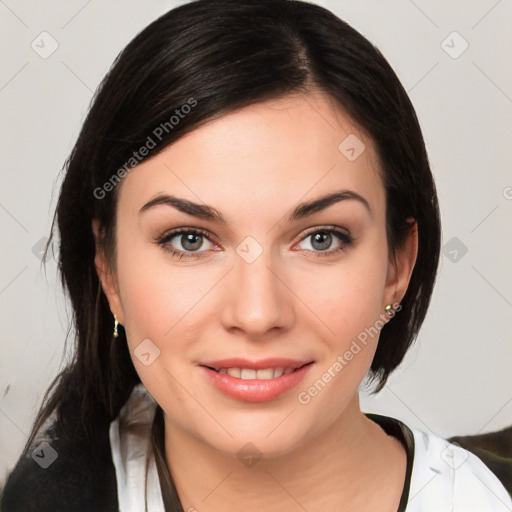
(81, 478)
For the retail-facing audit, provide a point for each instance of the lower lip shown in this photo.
(255, 390)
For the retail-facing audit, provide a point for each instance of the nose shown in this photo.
(256, 299)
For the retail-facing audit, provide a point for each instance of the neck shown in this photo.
(353, 465)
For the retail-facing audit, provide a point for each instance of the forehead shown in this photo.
(264, 157)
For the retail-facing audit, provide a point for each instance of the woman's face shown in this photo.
(276, 279)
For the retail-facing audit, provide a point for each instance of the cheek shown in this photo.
(351, 311)
(158, 305)
(348, 296)
(153, 300)
(155, 292)
(349, 300)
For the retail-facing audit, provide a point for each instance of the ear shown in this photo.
(106, 275)
(401, 266)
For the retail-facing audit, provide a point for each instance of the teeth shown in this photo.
(279, 371)
(265, 374)
(249, 373)
(234, 372)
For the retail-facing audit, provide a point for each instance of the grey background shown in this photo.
(457, 378)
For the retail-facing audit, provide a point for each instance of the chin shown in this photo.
(263, 433)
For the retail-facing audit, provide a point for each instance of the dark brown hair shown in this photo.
(224, 55)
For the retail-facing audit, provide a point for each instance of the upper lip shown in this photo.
(272, 362)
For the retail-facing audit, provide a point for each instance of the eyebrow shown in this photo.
(301, 211)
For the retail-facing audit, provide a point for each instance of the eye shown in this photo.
(187, 242)
(322, 239)
(184, 242)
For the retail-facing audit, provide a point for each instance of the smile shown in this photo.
(266, 382)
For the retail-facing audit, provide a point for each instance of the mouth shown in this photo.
(259, 381)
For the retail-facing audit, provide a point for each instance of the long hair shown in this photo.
(217, 56)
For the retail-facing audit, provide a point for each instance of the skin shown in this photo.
(254, 166)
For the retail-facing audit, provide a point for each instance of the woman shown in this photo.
(248, 225)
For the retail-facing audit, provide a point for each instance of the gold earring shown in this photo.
(116, 323)
(389, 310)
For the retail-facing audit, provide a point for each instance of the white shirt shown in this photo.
(443, 476)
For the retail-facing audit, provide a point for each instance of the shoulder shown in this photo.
(444, 473)
(61, 476)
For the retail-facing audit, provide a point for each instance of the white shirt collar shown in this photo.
(132, 454)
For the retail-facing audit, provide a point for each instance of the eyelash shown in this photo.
(345, 239)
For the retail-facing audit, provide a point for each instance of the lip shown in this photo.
(255, 390)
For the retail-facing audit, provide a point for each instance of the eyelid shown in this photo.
(317, 229)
